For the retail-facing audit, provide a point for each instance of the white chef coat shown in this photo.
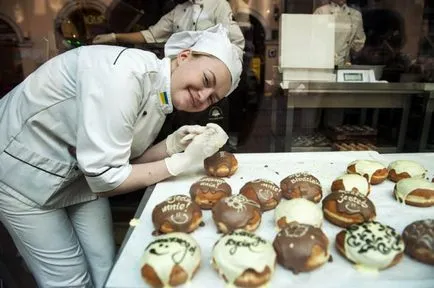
(349, 33)
(196, 16)
(87, 111)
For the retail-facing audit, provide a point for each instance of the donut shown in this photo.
(265, 192)
(297, 210)
(177, 213)
(373, 171)
(370, 245)
(415, 192)
(221, 164)
(301, 247)
(208, 190)
(351, 182)
(345, 208)
(236, 212)
(301, 185)
(419, 240)
(170, 260)
(244, 259)
(401, 169)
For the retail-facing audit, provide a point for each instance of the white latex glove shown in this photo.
(104, 38)
(179, 140)
(202, 146)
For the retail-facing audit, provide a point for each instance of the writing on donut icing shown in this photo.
(177, 203)
(169, 250)
(303, 177)
(211, 182)
(248, 240)
(239, 202)
(353, 203)
(239, 251)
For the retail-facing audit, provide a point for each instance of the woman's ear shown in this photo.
(183, 55)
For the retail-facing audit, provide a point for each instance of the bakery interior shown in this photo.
(293, 96)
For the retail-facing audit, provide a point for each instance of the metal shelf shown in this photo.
(383, 149)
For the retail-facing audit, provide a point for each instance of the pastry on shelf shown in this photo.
(351, 182)
(170, 260)
(401, 169)
(244, 259)
(266, 193)
(177, 213)
(415, 192)
(301, 247)
(236, 212)
(301, 185)
(354, 146)
(372, 246)
(373, 171)
(344, 208)
(208, 190)
(419, 240)
(298, 210)
(221, 164)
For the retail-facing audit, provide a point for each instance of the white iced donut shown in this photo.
(401, 169)
(373, 171)
(350, 182)
(244, 259)
(298, 210)
(170, 260)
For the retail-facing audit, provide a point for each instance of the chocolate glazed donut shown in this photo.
(301, 185)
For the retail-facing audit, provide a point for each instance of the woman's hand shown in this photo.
(179, 140)
(202, 146)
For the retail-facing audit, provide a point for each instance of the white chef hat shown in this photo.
(213, 41)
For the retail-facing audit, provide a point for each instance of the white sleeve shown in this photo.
(161, 31)
(108, 102)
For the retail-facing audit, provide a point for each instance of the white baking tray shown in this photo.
(326, 166)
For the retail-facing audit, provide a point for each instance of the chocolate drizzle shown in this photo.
(352, 202)
(373, 236)
(294, 244)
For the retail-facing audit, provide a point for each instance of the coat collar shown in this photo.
(163, 92)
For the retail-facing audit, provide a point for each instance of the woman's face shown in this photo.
(198, 81)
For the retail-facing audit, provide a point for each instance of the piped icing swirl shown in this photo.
(420, 234)
(168, 250)
(412, 168)
(372, 245)
(239, 251)
(299, 210)
(405, 186)
(367, 167)
(355, 181)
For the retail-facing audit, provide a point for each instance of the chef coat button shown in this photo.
(194, 23)
(76, 168)
(145, 113)
(177, 26)
(348, 42)
(185, 9)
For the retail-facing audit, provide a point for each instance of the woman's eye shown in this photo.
(205, 81)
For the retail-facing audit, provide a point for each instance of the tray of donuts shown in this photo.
(296, 231)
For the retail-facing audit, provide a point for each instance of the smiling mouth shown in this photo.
(153, 251)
